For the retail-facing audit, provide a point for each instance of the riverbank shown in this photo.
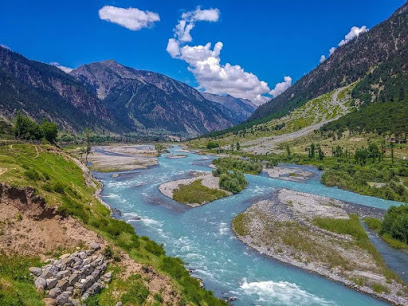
(122, 158)
(288, 173)
(320, 235)
(49, 207)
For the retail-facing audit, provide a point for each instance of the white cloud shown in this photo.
(63, 68)
(281, 87)
(131, 18)
(354, 32)
(188, 19)
(322, 58)
(205, 63)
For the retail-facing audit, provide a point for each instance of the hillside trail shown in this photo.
(268, 144)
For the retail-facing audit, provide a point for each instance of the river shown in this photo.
(202, 236)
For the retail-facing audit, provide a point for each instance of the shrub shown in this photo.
(32, 175)
(212, 145)
(233, 182)
(396, 223)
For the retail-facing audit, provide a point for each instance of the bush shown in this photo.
(235, 164)
(196, 192)
(233, 181)
(395, 223)
(32, 175)
(154, 248)
(212, 145)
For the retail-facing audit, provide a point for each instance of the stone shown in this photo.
(73, 278)
(63, 274)
(62, 299)
(62, 284)
(49, 302)
(66, 261)
(82, 255)
(46, 274)
(119, 303)
(40, 283)
(65, 256)
(95, 246)
(70, 289)
(54, 292)
(51, 283)
(36, 271)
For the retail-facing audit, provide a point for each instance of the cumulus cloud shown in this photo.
(205, 63)
(322, 58)
(354, 33)
(130, 18)
(281, 87)
(63, 68)
(188, 20)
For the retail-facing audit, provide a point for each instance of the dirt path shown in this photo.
(268, 144)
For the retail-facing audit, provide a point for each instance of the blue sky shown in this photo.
(269, 39)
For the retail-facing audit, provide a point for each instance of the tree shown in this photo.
(320, 152)
(238, 146)
(26, 129)
(392, 153)
(287, 150)
(49, 130)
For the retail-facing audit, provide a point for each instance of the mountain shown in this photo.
(242, 108)
(44, 91)
(147, 100)
(378, 59)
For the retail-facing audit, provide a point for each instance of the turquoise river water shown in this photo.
(203, 238)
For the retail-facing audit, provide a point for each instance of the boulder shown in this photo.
(49, 302)
(54, 292)
(95, 246)
(73, 278)
(36, 271)
(63, 274)
(62, 299)
(62, 284)
(51, 282)
(40, 283)
(46, 274)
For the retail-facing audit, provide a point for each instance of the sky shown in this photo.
(249, 49)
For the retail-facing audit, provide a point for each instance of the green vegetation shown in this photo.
(395, 223)
(381, 118)
(234, 181)
(27, 129)
(16, 282)
(353, 227)
(236, 164)
(196, 192)
(74, 197)
(239, 225)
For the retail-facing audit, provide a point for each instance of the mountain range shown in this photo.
(111, 97)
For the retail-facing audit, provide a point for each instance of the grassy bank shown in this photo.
(62, 183)
(197, 193)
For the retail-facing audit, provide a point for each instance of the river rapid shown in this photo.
(203, 238)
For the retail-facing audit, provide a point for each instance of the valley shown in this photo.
(120, 185)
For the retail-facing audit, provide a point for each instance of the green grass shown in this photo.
(16, 282)
(373, 223)
(239, 225)
(353, 227)
(197, 193)
(61, 182)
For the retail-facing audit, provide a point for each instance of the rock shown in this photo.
(119, 303)
(73, 278)
(63, 274)
(62, 284)
(51, 283)
(95, 246)
(46, 274)
(65, 256)
(36, 271)
(49, 302)
(40, 283)
(54, 293)
(82, 255)
(62, 299)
